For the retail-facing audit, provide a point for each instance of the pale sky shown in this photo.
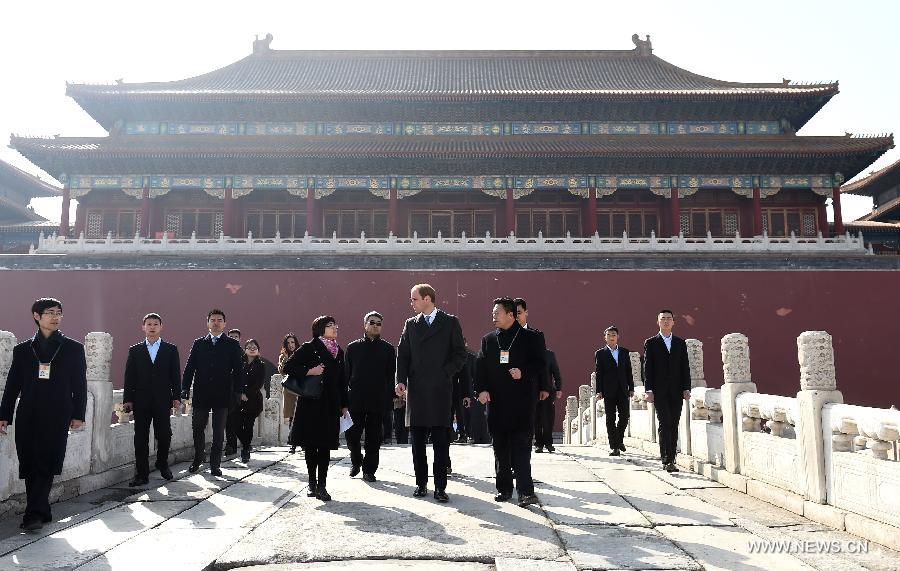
(45, 44)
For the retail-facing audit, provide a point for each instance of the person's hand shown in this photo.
(648, 397)
(400, 390)
(243, 397)
(75, 424)
(543, 395)
(484, 397)
(467, 402)
(559, 394)
(127, 406)
(344, 411)
(630, 394)
(686, 395)
(3, 425)
(599, 396)
(176, 404)
(515, 373)
(315, 371)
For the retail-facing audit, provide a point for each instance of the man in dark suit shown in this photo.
(213, 367)
(510, 375)
(152, 390)
(478, 428)
(431, 351)
(49, 372)
(369, 364)
(615, 385)
(545, 412)
(667, 379)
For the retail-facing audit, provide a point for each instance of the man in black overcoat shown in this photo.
(214, 367)
(48, 372)
(478, 428)
(510, 376)
(152, 390)
(431, 351)
(667, 381)
(545, 413)
(615, 385)
(370, 365)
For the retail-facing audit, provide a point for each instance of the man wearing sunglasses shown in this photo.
(370, 363)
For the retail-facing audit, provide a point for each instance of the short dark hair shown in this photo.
(151, 316)
(251, 340)
(235, 330)
(216, 311)
(611, 328)
(373, 314)
(426, 290)
(43, 304)
(319, 323)
(507, 303)
(521, 301)
(669, 311)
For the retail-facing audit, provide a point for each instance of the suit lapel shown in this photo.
(436, 325)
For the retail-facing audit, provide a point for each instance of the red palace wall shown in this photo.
(572, 307)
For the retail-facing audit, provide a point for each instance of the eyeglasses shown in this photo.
(53, 313)
(376, 323)
(331, 325)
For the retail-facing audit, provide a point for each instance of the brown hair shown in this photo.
(425, 290)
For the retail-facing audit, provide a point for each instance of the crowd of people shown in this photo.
(430, 388)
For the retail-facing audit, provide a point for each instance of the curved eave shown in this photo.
(27, 184)
(875, 182)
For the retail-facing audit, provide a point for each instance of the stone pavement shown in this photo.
(596, 512)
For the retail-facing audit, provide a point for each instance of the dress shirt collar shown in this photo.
(430, 317)
(156, 344)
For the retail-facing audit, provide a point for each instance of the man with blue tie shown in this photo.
(152, 390)
(615, 385)
(214, 367)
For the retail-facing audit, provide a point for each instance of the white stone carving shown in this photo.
(7, 342)
(695, 358)
(98, 351)
(736, 358)
(816, 357)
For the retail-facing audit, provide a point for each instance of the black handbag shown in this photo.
(309, 387)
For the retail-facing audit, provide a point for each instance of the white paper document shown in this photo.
(346, 422)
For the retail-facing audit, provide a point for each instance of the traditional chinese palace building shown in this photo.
(451, 142)
(19, 224)
(881, 227)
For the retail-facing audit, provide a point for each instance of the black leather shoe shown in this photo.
(229, 450)
(420, 492)
(539, 449)
(622, 447)
(166, 472)
(138, 481)
(615, 452)
(32, 523)
(323, 494)
(245, 458)
(215, 471)
(293, 450)
(671, 467)
(354, 470)
(441, 496)
(550, 448)
(528, 500)
(311, 490)
(502, 496)
(369, 477)
(194, 467)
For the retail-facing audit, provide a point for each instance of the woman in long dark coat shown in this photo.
(316, 425)
(252, 378)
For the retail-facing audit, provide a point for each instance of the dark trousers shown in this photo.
(478, 428)
(162, 429)
(199, 418)
(616, 405)
(232, 426)
(372, 423)
(317, 460)
(387, 424)
(668, 415)
(543, 422)
(37, 497)
(441, 446)
(401, 433)
(244, 428)
(512, 451)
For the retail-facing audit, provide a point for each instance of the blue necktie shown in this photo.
(428, 320)
(214, 339)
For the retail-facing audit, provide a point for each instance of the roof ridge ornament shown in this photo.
(261, 46)
(642, 47)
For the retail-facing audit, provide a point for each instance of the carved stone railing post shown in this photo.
(695, 360)
(98, 352)
(7, 342)
(593, 405)
(8, 463)
(571, 411)
(818, 387)
(736, 369)
(584, 401)
(273, 429)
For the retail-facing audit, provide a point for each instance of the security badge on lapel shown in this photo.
(44, 371)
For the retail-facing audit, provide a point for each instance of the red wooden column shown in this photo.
(392, 212)
(510, 212)
(145, 212)
(80, 212)
(757, 213)
(823, 218)
(590, 228)
(836, 204)
(676, 213)
(311, 223)
(64, 216)
(227, 213)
